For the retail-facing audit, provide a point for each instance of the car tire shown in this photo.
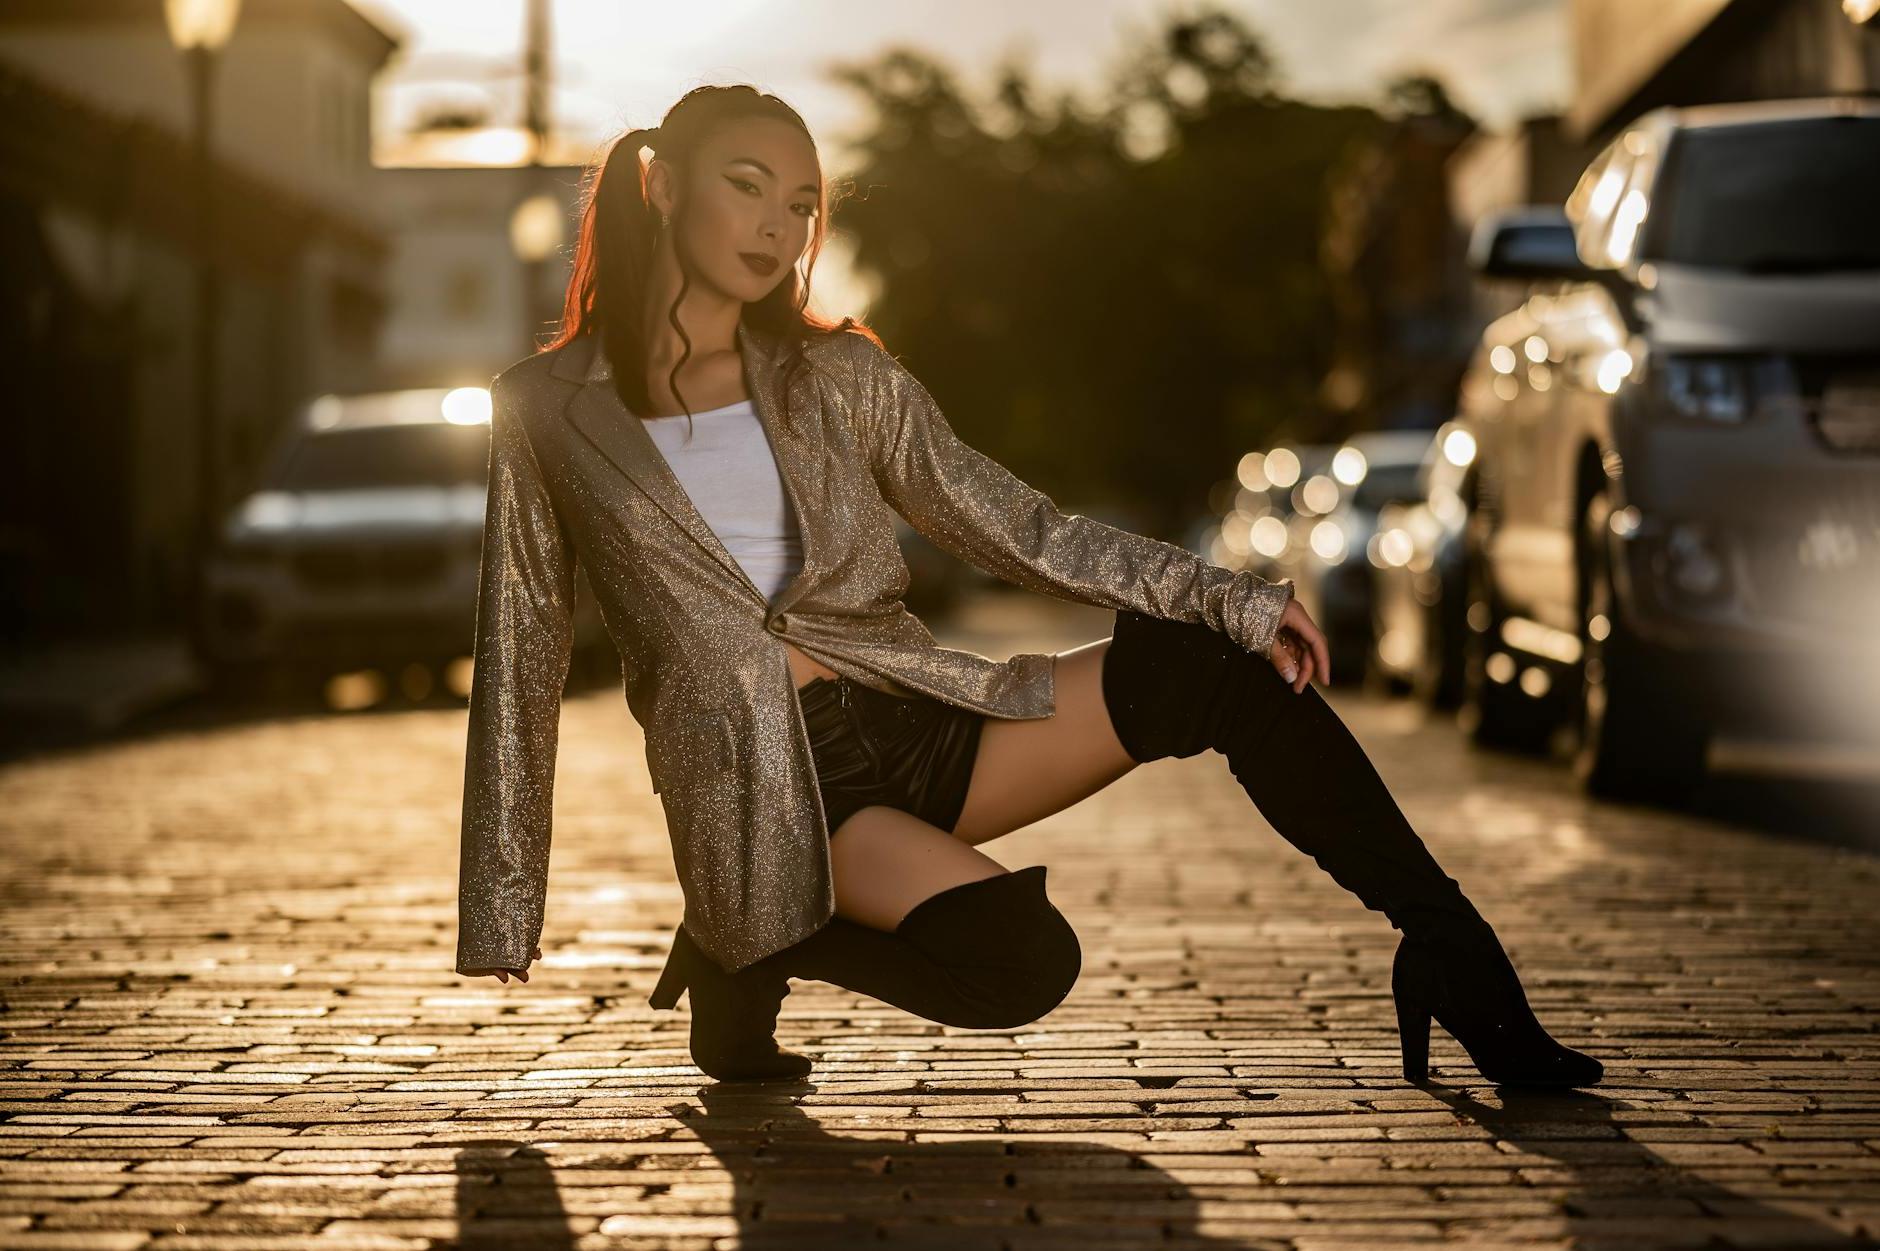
(1425, 680)
(1437, 680)
(1633, 743)
(1350, 654)
(1492, 714)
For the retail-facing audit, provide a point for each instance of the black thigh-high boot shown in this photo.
(1176, 689)
(990, 954)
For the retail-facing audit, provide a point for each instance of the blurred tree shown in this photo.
(1393, 255)
(1115, 299)
(1424, 96)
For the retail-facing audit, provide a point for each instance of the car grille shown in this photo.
(352, 568)
(1823, 577)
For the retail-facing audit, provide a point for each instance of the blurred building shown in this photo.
(1630, 57)
(484, 214)
(98, 190)
(1393, 257)
(479, 260)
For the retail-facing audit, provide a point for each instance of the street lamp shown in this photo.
(201, 23)
(200, 29)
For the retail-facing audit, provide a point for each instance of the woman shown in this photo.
(722, 463)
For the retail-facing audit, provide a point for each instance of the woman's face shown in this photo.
(752, 194)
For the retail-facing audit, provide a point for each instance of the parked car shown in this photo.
(1281, 492)
(360, 547)
(1417, 585)
(1332, 577)
(1675, 515)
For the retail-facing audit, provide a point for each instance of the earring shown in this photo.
(664, 221)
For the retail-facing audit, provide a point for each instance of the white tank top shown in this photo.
(728, 470)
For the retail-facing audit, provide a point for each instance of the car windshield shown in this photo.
(1385, 484)
(1776, 197)
(429, 454)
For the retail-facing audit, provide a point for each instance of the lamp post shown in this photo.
(535, 224)
(200, 29)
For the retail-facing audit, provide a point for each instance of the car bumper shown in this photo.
(266, 615)
(1758, 538)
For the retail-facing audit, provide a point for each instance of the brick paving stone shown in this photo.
(229, 1021)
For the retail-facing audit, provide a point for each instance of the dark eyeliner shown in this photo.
(742, 182)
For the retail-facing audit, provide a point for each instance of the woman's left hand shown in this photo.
(503, 975)
(1299, 650)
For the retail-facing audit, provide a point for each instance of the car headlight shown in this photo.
(1718, 389)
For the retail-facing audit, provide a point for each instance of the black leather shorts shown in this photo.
(871, 747)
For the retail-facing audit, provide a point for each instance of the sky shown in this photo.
(621, 63)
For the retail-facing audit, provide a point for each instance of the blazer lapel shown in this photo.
(605, 422)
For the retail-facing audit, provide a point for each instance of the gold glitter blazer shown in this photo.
(574, 477)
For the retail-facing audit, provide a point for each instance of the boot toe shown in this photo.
(783, 1066)
(1565, 1068)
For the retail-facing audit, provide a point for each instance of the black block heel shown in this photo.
(671, 983)
(1413, 1029)
(1473, 993)
(734, 1015)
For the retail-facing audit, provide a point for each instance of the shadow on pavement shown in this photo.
(796, 1185)
(1613, 1183)
(507, 1198)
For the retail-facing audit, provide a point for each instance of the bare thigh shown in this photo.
(886, 860)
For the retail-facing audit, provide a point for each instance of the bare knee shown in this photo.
(887, 861)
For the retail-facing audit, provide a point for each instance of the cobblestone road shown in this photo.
(230, 1021)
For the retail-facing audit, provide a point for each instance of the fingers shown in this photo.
(503, 975)
(1299, 664)
(1319, 651)
(1283, 659)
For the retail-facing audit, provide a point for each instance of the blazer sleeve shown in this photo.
(524, 637)
(969, 505)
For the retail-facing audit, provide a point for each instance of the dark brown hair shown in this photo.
(614, 253)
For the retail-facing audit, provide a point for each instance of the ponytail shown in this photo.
(620, 229)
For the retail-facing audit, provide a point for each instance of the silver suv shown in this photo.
(1674, 529)
(361, 545)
